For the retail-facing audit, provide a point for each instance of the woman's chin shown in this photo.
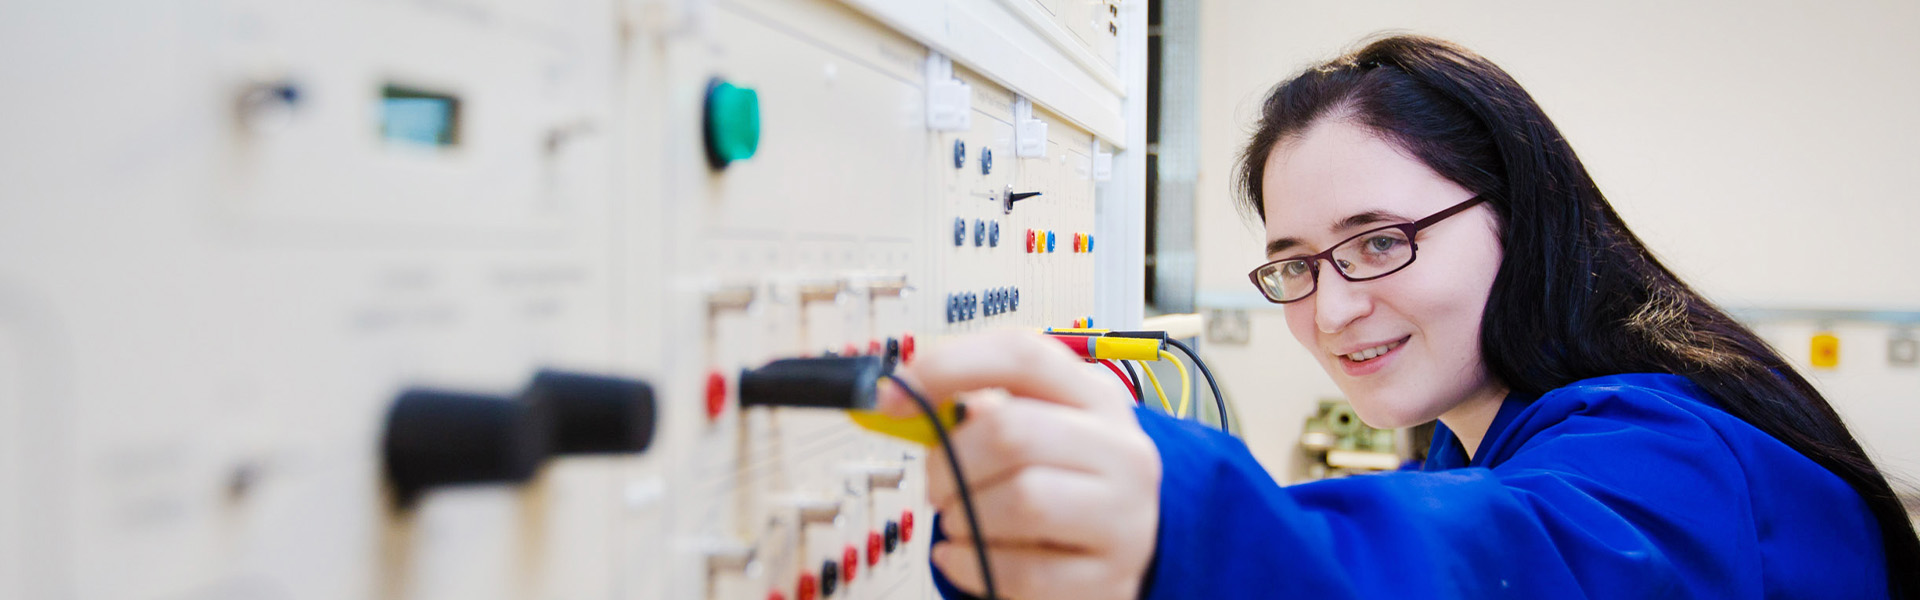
(1381, 417)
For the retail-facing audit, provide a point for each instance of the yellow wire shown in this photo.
(1156, 388)
(1186, 385)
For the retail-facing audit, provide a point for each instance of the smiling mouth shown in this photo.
(1374, 352)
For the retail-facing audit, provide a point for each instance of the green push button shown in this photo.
(733, 123)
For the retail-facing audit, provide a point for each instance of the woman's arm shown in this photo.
(1608, 502)
(1082, 497)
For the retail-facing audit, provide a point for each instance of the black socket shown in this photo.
(829, 578)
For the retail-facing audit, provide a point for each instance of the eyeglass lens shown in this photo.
(1371, 254)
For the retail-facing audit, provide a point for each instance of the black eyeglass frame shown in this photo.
(1313, 262)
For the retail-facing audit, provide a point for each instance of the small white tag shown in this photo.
(949, 101)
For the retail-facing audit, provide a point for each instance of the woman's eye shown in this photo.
(1382, 244)
(1296, 268)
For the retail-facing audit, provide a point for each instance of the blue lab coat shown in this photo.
(1628, 486)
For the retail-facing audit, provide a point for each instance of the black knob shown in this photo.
(435, 438)
(593, 414)
(892, 536)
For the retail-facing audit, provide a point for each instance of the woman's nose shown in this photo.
(1338, 302)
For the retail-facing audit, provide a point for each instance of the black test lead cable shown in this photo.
(1218, 402)
(966, 496)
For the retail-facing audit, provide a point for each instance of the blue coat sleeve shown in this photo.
(1598, 505)
(1594, 492)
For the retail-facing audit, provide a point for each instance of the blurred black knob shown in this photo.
(437, 438)
(832, 382)
(594, 414)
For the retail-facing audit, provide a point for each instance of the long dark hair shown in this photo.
(1577, 294)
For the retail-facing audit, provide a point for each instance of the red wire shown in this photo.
(1123, 380)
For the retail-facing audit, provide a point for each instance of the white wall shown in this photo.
(1763, 149)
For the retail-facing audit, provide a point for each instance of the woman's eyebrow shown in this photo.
(1281, 245)
(1365, 218)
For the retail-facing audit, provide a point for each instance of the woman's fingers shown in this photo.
(1034, 572)
(1063, 480)
(1038, 506)
(1002, 435)
(1023, 363)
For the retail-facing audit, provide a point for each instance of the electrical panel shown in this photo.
(423, 299)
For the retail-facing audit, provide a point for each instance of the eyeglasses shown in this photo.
(1372, 254)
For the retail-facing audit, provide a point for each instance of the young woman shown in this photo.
(1605, 431)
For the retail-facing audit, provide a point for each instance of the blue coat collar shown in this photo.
(1447, 451)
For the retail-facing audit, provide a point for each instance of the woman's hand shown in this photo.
(1066, 485)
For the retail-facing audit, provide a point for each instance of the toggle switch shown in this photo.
(435, 438)
(594, 414)
(732, 129)
(1008, 197)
